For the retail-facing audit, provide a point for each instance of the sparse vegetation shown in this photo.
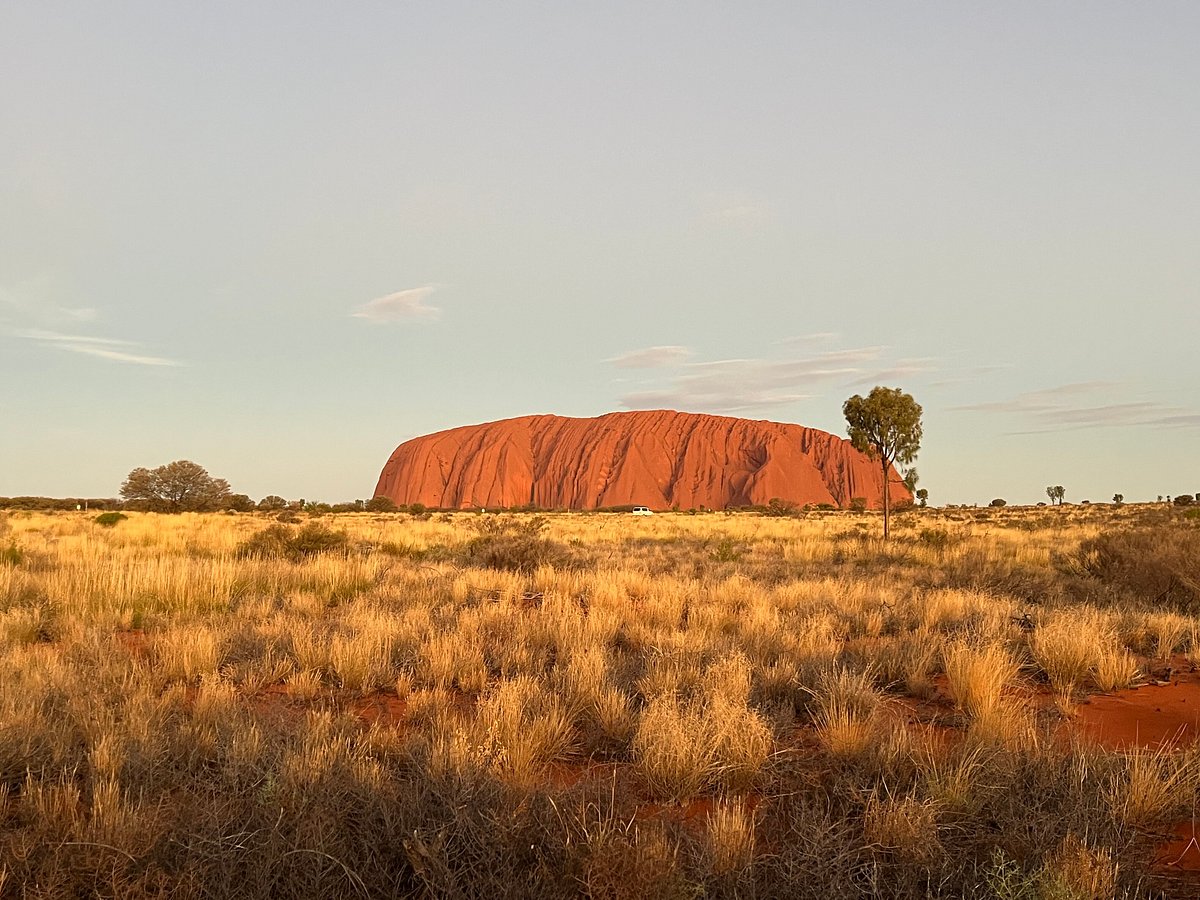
(180, 486)
(571, 705)
(885, 425)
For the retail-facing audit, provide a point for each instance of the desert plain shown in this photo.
(994, 703)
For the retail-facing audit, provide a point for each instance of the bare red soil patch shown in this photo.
(696, 810)
(133, 640)
(1181, 852)
(381, 709)
(565, 774)
(1154, 715)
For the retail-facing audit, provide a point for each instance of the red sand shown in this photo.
(1153, 715)
(655, 458)
(380, 708)
(1182, 852)
(697, 809)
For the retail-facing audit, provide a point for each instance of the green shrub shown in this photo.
(314, 539)
(281, 542)
(938, 538)
(777, 507)
(998, 502)
(858, 504)
(1156, 564)
(517, 545)
(109, 519)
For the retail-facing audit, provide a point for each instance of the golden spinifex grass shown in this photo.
(600, 705)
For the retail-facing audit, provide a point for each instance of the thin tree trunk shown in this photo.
(887, 507)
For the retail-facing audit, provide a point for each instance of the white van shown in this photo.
(642, 511)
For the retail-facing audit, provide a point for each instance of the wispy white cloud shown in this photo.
(735, 208)
(403, 306)
(651, 358)
(113, 349)
(817, 337)
(1081, 405)
(969, 374)
(741, 385)
(41, 334)
(902, 368)
(1038, 401)
(26, 302)
(119, 355)
(26, 313)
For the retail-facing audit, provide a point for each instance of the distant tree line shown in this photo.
(56, 503)
(887, 424)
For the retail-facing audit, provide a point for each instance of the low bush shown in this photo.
(937, 538)
(11, 555)
(1153, 564)
(514, 544)
(109, 519)
(779, 508)
(281, 542)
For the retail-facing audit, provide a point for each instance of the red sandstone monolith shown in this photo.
(656, 458)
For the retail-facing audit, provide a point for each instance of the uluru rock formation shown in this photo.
(655, 458)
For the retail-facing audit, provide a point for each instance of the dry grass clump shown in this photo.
(521, 727)
(977, 676)
(675, 751)
(1077, 871)
(847, 712)
(906, 826)
(1114, 669)
(1153, 785)
(1067, 649)
(729, 836)
(187, 653)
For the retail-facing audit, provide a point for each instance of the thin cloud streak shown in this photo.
(402, 306)
(741, 385)
(817, 337)
(1070, 407)
(734, 209)
(24, 303)
(902, 369)
(39, 334)
(651, 358)
(91, 345)
(1037, 401)
(119, 355)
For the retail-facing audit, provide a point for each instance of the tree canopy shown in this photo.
(180, 486)
(886, 426)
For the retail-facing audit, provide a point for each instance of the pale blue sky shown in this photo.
(278, 238)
